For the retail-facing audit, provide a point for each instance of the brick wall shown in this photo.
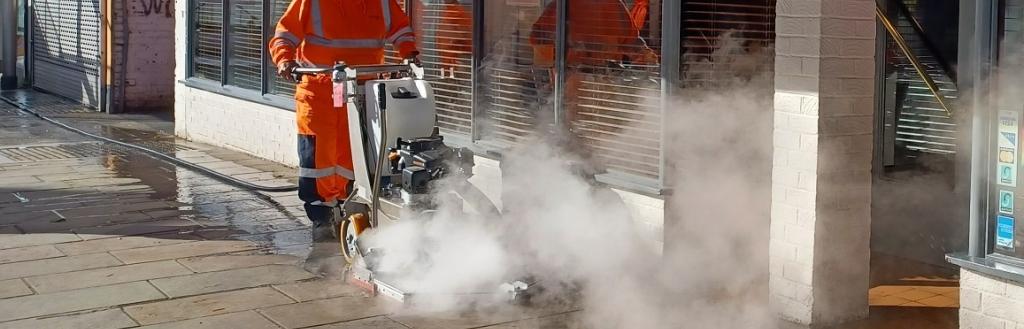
(821, 177)
(149, 71)
(990, 303)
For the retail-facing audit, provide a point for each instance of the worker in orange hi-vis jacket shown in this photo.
(454, 35)
(599, 31)
(318, 33)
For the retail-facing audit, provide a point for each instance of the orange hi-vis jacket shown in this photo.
(322, 32)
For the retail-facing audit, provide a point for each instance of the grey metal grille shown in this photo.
(66, 48)
(57, 152)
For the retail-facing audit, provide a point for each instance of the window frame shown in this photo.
(979, 58)
(261, 96)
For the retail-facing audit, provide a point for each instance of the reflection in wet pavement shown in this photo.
(106, 185)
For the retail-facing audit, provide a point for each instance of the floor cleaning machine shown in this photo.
(398, 156)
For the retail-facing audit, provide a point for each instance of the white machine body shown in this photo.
(408, 117)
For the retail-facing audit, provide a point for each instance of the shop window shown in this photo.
(725, 41)
(516, 87)
(245, 44)
(208, 24)
(1006, 234)
(278, 85)
(444, 29)
(612, 97)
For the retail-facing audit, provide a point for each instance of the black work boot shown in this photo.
(323, 231)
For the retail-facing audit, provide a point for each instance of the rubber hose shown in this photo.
(161, 156)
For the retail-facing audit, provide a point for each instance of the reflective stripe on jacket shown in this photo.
(321, 32)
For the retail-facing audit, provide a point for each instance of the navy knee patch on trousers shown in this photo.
(307, 186)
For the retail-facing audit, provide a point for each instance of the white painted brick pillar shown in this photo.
(821, 176)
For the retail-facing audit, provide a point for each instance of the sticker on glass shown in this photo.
(1008, 146)
(1007, 175)
(1006, 202)
(1004, 232)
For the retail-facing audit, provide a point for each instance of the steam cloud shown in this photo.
(582, 246)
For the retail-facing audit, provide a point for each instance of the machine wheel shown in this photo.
(348, 231)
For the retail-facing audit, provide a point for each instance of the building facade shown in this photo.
(110, 55)
(888, 132)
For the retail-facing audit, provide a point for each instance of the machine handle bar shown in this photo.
(343, 72)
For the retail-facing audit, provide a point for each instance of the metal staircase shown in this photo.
(921, 90)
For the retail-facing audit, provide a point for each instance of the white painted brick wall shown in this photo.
(822, 147)
(988, 302)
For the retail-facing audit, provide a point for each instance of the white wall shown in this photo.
(988, 302)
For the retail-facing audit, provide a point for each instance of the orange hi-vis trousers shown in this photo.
(325, 155)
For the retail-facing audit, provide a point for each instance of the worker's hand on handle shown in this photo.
(415, 58)
(284, 70)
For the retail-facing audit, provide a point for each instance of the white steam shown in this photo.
(583, 248)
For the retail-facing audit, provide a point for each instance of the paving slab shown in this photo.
(77, 300)
(453, 320)
(28, 253)
(247, 319)
(69, 224)
(203, 283)
(562, 321)
(327, 311)
(106, 276)
(227, 262)
(150, 227)
(377, 322)
(122, 243)
(8, 241)
(206, 305)
(183, 250)
(56, 265)
(13, 288)
(319, 289)
(107, 319)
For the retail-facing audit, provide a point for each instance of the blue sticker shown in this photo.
(1006, 202)
(1010, 137)
(1004, 232)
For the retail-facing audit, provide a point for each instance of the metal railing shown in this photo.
(914, 60)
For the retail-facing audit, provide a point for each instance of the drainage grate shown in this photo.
(43, 103)
(57, 152)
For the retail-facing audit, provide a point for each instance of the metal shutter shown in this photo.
(66, 48)
(278, 86)
(245, 44)
(707, 23)
(206, 43)
(512, 82)
(440, 28)
(618, 112)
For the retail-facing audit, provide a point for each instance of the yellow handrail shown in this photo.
(895, 34)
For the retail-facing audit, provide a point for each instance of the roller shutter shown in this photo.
(716, 31)
(445, 36)
(66, 48)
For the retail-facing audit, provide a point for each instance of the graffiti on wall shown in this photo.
(153, 7)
